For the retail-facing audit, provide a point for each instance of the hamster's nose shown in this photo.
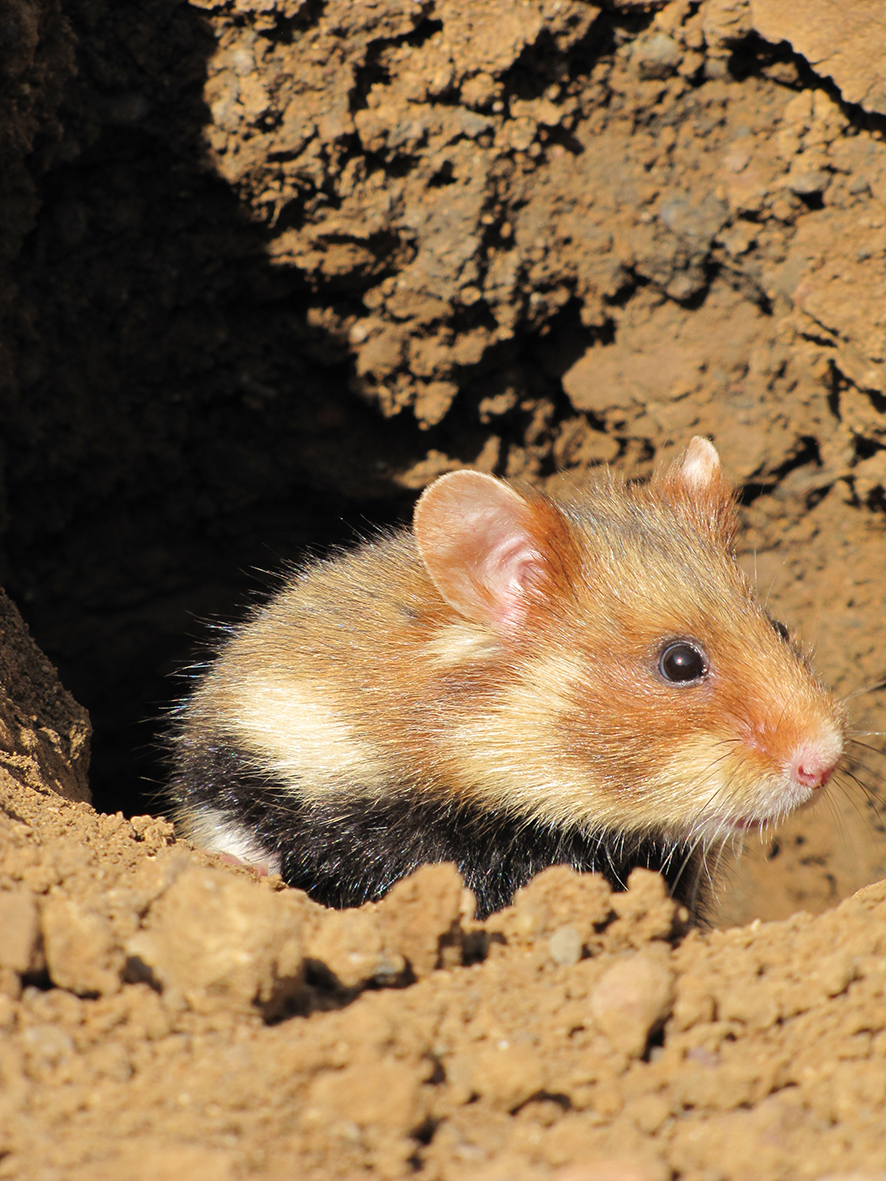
(814, 763)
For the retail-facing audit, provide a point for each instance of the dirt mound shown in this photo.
(271, 265)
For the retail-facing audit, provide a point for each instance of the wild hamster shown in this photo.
(514, 682)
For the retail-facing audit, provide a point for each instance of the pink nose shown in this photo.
(812, 768)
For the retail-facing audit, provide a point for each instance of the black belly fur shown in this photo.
(353, 847)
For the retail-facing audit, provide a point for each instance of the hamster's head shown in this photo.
(670, 702)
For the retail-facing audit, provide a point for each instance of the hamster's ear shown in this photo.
(699, 465)
(696, 480)
(475, 537)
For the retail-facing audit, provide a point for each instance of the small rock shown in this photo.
(807, 184)
(554, 898)
(565, 946)
(657, 56)
(423, 913)
(349, 944)
(20, 927)
(222, 942)
(47, 1045)
(685, 284)
(472, 124)
(615, 1169)
(520, 133)
(82, 954)
(726, 23)
(503, 1073)
(646, 911)
(633, 998)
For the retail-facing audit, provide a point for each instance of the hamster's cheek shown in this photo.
(716, 787)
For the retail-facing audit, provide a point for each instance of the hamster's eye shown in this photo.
(779, 628)
(682, 662)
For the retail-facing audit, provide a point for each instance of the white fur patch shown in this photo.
(504, 754)
(459, 643)
(216, 833)
(303, 737)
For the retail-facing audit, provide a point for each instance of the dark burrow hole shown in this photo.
(129, 659)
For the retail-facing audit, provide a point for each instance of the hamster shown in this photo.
(515, 682)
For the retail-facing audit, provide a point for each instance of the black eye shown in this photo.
(682, 662)
(779, 628)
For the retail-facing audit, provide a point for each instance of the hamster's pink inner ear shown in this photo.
(474, 537)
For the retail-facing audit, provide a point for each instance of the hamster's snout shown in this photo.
(813, 763)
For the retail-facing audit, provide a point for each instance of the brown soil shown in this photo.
(267, 264)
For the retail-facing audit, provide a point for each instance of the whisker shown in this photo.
(784, 710)
(872, 768)
(870, 771)
(840, 824)
(872, 795)
(715, 869)
(702, 868)
(852, 798)
(687, 860)
(873, 798)
(705, 808)
(872, 687)
(869, 792)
